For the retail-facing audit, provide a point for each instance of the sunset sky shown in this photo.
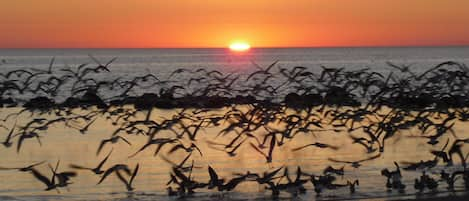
(217, 23)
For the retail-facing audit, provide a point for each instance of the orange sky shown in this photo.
(215, 23)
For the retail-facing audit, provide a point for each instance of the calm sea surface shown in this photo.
(163, 61)
(69, 146)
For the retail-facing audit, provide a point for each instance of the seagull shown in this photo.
(232, 183)
(24, 169)
(49, 71)
(101, 65)
(214, 180)
(50, 183)
(112, 140)
(317, 144)
(28, 135)
(160, 142)
(115, 168)
(181, 164)
(261, 71)
(352, 185)
(402, 68)
(97, 169)
(330, 169)
(178, 71)
(187, 149)
(128, 184)
(356, 163)
(7, 143)
(63, 177)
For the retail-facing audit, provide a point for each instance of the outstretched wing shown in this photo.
(100, 165)
(134, 174)
(79, 167)
(41, 177)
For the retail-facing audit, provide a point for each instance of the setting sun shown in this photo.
(240, 46)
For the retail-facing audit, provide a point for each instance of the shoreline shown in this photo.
(454, 196)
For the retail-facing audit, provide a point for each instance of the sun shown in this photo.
(239, 46)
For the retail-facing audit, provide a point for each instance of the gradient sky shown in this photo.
(216, 23)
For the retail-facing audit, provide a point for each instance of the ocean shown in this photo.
(164, 61)
(67, 140)
(131, 63)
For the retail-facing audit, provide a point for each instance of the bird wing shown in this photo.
(185, 159)
(394, 65)
(273, 173)
(134, 174)
(180, 175)
(101, 145)
(141, 149)
(172, 179)
(256, 65)
(158, 148)
(369, 158)
(110, 61)
(125, 168)
(213, 175)
(175, 148)
(69, 174)
(197, 148)
(270, 66)
(255, 73)
(95, 60)
(20, 142)
(51, 64)
(41, 177)
(339, 161)
(79, 167)
(119, 175)
(125, 140)
(100, 165)
(234, 182)
(302, 147)
(107, 173)
(54, 171)
(35, 164)
(322, 145)
(237, 146)
(10, 133)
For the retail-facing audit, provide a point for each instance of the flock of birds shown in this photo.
(261, 111)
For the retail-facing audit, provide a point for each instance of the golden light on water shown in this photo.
(240, 46)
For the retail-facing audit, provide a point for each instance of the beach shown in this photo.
(157, 132)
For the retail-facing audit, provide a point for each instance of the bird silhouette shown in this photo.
(356, 163)
(317, 144)
(113, 169)
(24, 169)
(214, 180)
(50, 183)
(128, 184)
(113, 140)
(97, 169)
(7, 142)
(188, 149)
(159, 142)
(62, 177)
(27, 135)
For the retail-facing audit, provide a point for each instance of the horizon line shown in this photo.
(255, 47)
